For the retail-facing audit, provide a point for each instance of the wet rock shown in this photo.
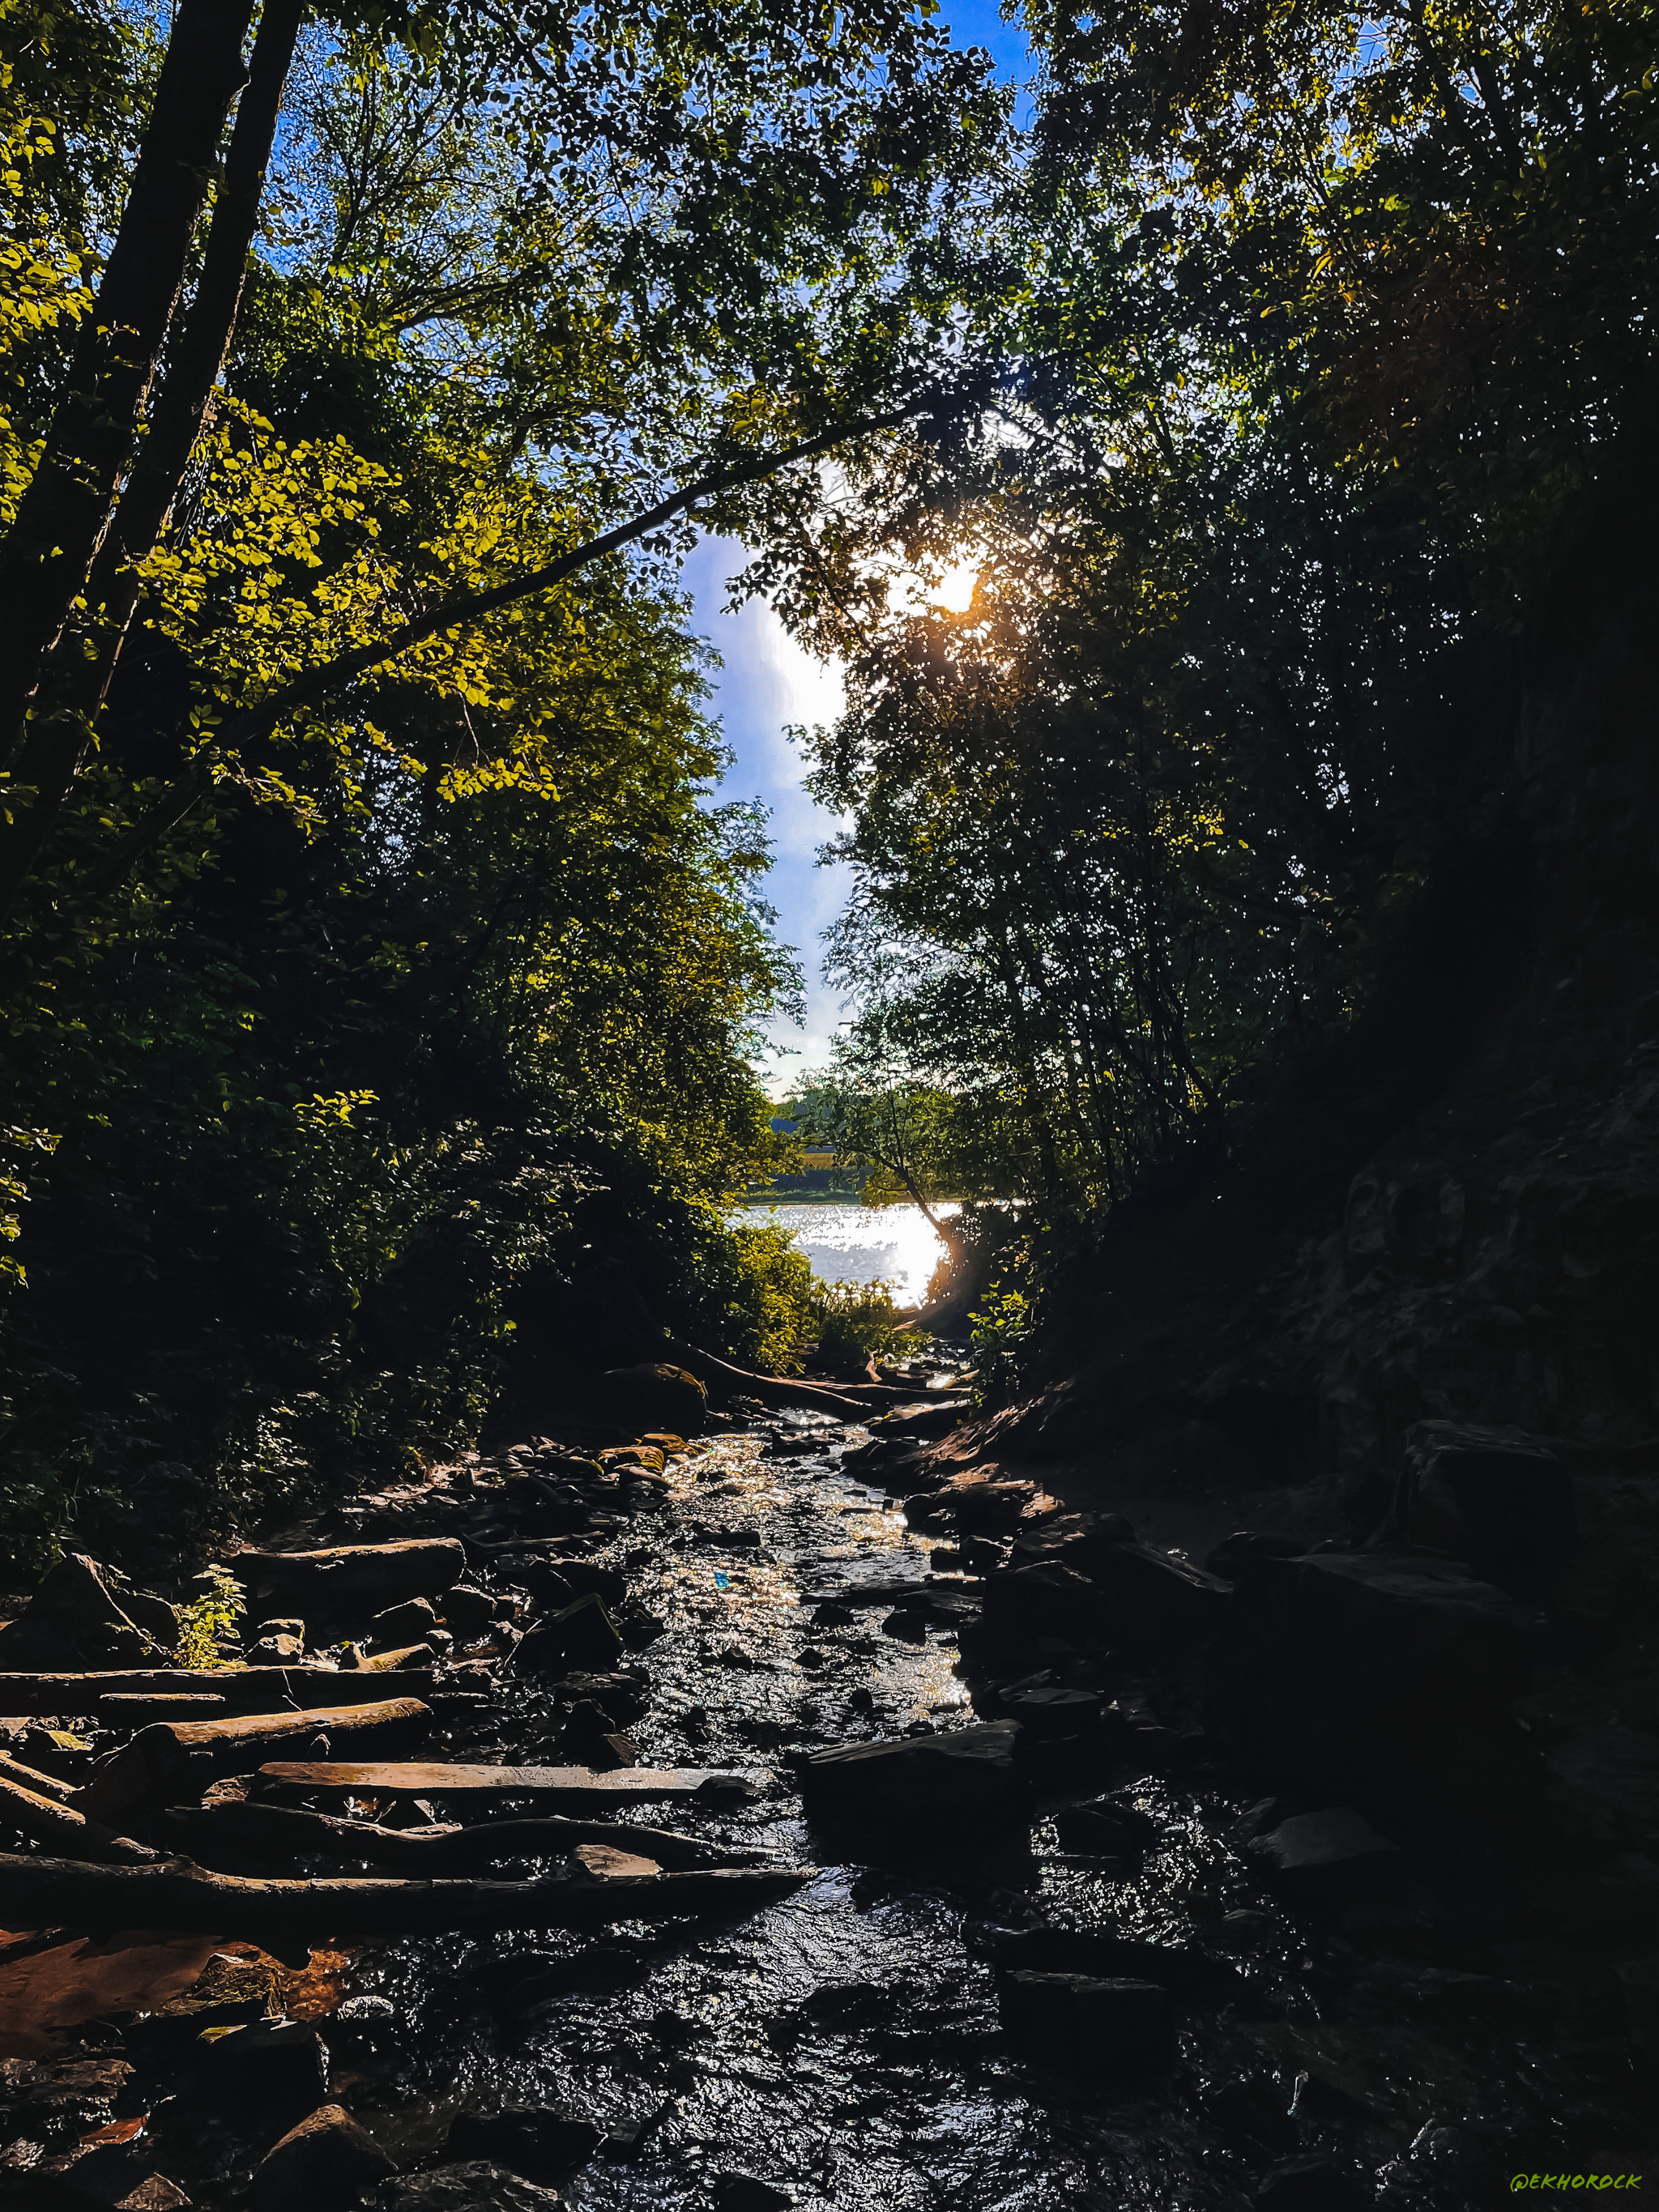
(274, 2069)
(1099, 1830)
(965, 1776)
(1079, 2021)
(475, 2186)
(407, 1623)
(1496, 1497)
(1154, 1601)
(287, 1625)
(1327, 1857)
(925, 1417)
(1236, 1555)
(974, 1503)
(1046, 1713)
(656, 1395)
(908, 1626)
(324, 2162)
(467, 1611)
(1356, 1662)
(276, 1651)
(581, 1635)
(741, 2192)
(1253, 2104)
(1310, 2185)
(1242, 1928)
(536, 2141)
(1050, 1600)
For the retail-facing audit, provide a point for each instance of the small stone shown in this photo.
(1310, 2185)
(537, 2141)
(1077, 2019)
(278, 2069)
(324, 2162)
(475, 2186)
(741, 2192)
(407, 1623)
(831, 1615)
(907, 1627)
(582, 1634)
(467, 1611)
(964, 1774)
(1334, 1852)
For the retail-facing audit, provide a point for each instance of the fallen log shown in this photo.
(351, 1578)
(173, 1760)
(417, 1779)
(267, 1831)
(280, 1915)
(770, 1389)
(66, 1833)
(44, 1785)
(246, 1689)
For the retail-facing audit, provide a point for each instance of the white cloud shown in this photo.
(767, 682)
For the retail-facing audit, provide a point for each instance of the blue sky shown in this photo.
(768, 682)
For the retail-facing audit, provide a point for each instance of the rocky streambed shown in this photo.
(1032, 1904)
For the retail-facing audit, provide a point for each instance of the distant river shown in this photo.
(854, 1243)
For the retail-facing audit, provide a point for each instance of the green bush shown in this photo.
(854, 1319)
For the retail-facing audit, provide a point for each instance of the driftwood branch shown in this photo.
(62, 1829)
(173, 1760)
(177, 1894)
(268, 1832)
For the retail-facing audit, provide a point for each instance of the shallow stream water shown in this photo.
(845, 2046)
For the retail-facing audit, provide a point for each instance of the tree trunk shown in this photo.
(76, 682)
(64, 513)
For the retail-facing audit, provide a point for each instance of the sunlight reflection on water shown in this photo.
(854, 1243)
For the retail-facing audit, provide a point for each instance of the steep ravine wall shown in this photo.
(1453, 1212)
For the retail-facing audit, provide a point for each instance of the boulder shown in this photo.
(656, 1395)
(467, 1613)
(1358, 1663)
(1332, 1857)
(741, 2192)
(475, 2186)
(964, 1776)
(1310, 2185)
(1050, 1712)
(411, 1622)
(923, 1418)
(326, 2161)
(1050, 1599)
(580, 1637)
(976, 1504)
(1152, 1601)
(1496, 1497)
(1235, 1556)
(349, 1580)
(1080, 2022)
(276, 1651)
(75, 1621)
(270, 2072)
(1104, 1830)
(536, 2141)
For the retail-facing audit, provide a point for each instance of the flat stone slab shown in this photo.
(921, 1780)
(417, 1778)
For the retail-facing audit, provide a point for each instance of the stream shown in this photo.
(844, 2047)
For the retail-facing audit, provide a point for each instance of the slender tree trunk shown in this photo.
(77, 675)
(64, 513)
